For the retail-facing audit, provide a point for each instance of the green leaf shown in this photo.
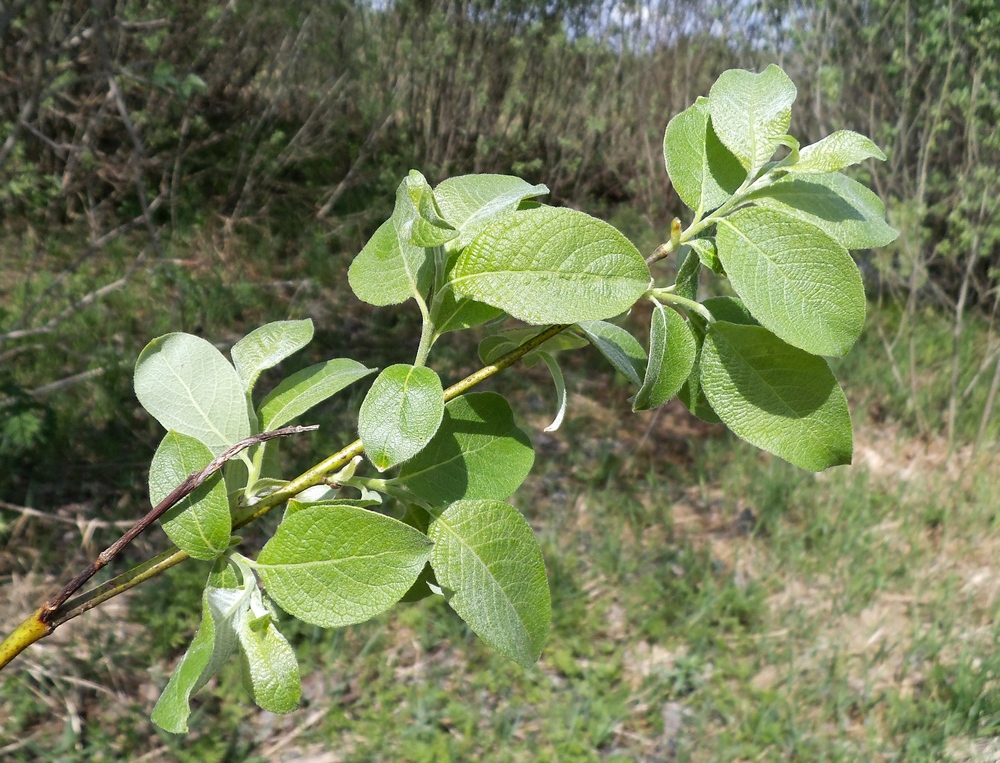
(267, 346)
(306, 388)
(835, 152)
(708, 254)
(270, 670)
(390, 269)
(469, 202)
(560, 383)
(620, 348)
(776, 396)
(428, 228)
(337, 565)
(400, 414)
(672, 349)
(702, 170)
(478, 452)
(550, 265)
(174, 705)
(843, 208)
(751, 113)
(453, 313)
(795, 279)
(688, 273)
(200, 524)
(488, 563)
(189, 387)
(729, 309)
(224, 600)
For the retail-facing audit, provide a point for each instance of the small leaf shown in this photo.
(620, 348)
(672, 349)
(390, 269)
(708, 254)
(796, 280)
(835, 152)
(478, 452)
(400, 414)
(200, 524)
(267, 346)
(270, 669)
(843, 208)
(428, 228)
(728, 309)
(704, 173)
(776, 396)
(688, 273)
(469, 202)
(174, 705)
(751, 113)
(189, 387)
(550, 265)
(452, 313)
(223, 602)
(306, 388)
(488, 563)
(560, 382)
(338, 565)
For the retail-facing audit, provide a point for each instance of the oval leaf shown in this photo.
(672, 349)
(189, 387)
(835, 152)
(478, 452)
(337, 565)
(267, 346)
(795, 279)
(469, 202)
(620, 348)
(550, 265)
(270, 669)
(306, 388)
(400, 414)
(200, 524)
(488, 563)
(751, 113)
(776, 396)
(843, 208)
(703, 171)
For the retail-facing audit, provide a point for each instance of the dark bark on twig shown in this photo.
(188, 486)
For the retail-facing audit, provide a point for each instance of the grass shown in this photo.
(710, 603)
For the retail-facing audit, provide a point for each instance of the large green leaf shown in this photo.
(672, 349)
(306, 388)
(267, 346)
(550, 265)
(795, 279)
(843, 208)
(469, 202)
(751, 113)
(835, 152)
(390, 269)
(400, 414)
(702, 170)
(270, 670)
(620, 348)
(199, 524)
(488, 563)
(189, 387)
(478, 452)
(337, 565)
(776, 396)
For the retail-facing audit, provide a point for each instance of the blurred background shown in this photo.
(206, 167)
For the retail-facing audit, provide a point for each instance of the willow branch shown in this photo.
(61, 609)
